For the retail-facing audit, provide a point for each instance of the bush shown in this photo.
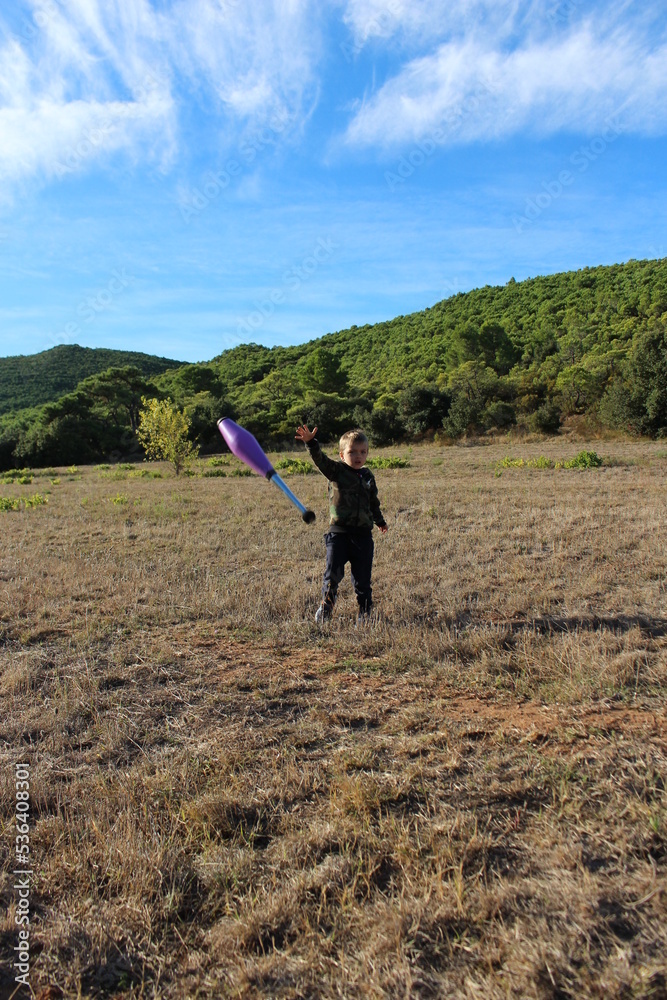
(36, 500)
(584, 460)
(393, 462)
(464, 415)
(292, 466)
(546, 419)
(384, 422)
(422, 408)
(14, 503)
(499, 414)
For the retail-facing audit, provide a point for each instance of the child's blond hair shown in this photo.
(355, 436)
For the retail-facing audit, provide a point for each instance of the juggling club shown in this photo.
(245, 447)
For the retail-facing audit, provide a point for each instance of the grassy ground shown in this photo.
(464, 799)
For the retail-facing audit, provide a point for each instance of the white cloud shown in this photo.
(100, 76)
(258, 58)
(473, 90)
(92, 78)
(430, 21)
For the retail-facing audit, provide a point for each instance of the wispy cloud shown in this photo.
(573, 81)
(128, 70)
(259, 59)
(412, 22)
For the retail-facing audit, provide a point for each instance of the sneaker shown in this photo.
(322, 614)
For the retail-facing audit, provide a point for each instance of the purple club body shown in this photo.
(244, 445)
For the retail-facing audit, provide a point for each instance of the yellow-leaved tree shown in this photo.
(163, 432)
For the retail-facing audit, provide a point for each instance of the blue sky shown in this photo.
(180, 176)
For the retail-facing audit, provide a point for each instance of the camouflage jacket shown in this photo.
(353, 495)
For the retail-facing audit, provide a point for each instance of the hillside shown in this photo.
(533, 353)
(590, 341)
(34, 379)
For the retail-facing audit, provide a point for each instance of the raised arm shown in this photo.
(327, 467)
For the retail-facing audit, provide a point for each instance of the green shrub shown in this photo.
(24, 479)
(14, 503)
(392, 462)
(584, 460)
(36, 500)
(546, 419)
(213, 473)
(217, 460)
(242, 471)
(499, 414)
(292, 466)
(143, 474)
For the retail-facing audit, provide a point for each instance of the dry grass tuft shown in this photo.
(465, 798)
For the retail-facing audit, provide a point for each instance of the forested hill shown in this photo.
(533, 353)
(568, 315)
(33, 379)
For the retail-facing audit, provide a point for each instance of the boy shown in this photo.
(354, 507)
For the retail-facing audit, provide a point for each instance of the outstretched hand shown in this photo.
(303, 434)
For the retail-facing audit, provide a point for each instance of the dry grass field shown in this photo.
(465, 798)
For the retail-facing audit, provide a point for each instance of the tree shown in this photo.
(163, 431)
(422, 408)
(384, 422)
(471, 386)
(637, 398)
(320, 371)
(96, 420)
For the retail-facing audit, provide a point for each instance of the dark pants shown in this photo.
(357, 549)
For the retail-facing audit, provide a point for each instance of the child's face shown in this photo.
(355, 454)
